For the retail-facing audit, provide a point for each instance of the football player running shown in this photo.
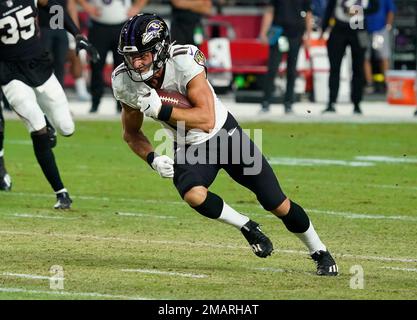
(28, 82)
(152, 62)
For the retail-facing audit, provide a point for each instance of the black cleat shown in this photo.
(260, 243)
(288, 109)
(326, 266)
(329, 109)
(357, 110)
(63, 201)
(5, 183)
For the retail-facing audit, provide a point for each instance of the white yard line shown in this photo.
(372, 185)
(267, 269)
(387, 159)
(352, 215)
(186, 243)
(137, 214)
(29, 276)
(317, 162)
(387, 186)
(343, 214)
(27, 215)
(400, 269)
(349, 215)
(166, 273)
(68, 293)
(135, 200)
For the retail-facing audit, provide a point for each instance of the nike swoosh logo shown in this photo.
(230, 133)
(147, 107)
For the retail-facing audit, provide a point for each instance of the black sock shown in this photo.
(2, 167)
(211, 207)
(46, 160)
(1, 140)
(296, 220)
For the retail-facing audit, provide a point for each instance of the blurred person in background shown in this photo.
(186, 20)
(75, 64)
(107, 19)
(29, 84)
(379, 26)
(348, 30)
(292, 19)
(55, 40)
(61, 45)
(318, 8)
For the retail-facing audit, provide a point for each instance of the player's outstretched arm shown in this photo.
(132, 120)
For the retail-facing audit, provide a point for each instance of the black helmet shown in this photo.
(144, 33)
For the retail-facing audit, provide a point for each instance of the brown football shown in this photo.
(173, 98)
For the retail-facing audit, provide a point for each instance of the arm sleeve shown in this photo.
(391, 6)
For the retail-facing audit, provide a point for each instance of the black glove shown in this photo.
(83, 43)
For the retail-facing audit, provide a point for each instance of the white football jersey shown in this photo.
(112, 11)
(184, 64)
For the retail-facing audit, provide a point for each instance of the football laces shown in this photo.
(169, 100)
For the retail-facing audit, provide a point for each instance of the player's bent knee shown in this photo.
(66, 129)
(195, 196)
(283, 209)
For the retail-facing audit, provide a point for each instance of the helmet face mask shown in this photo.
(141, 34)
(141, 74)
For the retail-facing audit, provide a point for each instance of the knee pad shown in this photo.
(23, 100)
(54, 103)
(66, 128)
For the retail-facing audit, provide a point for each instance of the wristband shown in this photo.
(165, 113)
(149, 158)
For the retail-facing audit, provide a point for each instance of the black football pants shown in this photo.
(339, 39)
(275, 56)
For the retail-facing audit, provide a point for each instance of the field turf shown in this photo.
(130, 236)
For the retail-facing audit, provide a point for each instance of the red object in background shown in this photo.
(244, 26)
(247, 55)
(401, 87)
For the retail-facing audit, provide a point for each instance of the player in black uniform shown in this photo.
(348, 30)
(28, 83)
(5, 180)
(210, 139)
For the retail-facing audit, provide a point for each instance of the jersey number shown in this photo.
(23, 21)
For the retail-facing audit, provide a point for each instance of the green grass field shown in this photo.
(125, 217)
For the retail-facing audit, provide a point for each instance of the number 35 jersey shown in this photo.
(19, 32)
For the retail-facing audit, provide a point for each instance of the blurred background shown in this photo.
(237, 59)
